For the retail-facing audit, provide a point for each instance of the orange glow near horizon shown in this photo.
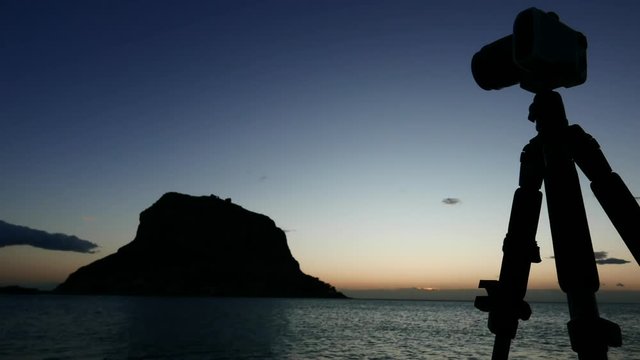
(28, 266)
(542, 276)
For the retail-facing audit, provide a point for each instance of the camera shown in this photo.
(542, 54)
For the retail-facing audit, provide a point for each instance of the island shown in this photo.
(200, 246)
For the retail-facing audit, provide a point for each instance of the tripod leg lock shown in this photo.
(528, 251)
(593, 336)
(504, 311)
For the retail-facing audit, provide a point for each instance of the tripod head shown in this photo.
(542, 54)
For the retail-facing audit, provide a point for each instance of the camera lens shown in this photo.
(493, 67)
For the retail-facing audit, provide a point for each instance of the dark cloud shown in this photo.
(620, 285)
(600, 255)
(612, 261)
(450, 201)
(21, 235)
(603, 259)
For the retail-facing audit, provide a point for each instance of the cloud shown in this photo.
(603, 259)
(600, 255)
(612, 261)
(450, 201)
(620, 285)
(21, 235)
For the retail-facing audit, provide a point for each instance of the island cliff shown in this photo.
(187, 245)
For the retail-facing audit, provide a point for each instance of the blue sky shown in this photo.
(347, 122)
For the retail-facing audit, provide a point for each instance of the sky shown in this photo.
(355, 125)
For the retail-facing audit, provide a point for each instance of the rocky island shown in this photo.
(200, 246)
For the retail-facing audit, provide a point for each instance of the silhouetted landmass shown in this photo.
(13, 289)
(187, 245)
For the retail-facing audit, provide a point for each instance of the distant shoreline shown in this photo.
(408, 294)
(20, 290)
(533, 295)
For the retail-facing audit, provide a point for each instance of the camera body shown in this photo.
(542, 54)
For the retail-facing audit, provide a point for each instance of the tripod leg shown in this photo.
(505, 302)
(575, 262)
(590, 335)
(615, 198)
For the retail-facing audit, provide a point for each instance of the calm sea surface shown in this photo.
(103, 327)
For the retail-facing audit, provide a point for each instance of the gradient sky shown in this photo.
(347, 122)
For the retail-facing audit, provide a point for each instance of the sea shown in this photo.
(117, 327)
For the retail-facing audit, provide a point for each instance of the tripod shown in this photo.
(549, 157)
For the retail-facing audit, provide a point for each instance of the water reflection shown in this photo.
(92, 327)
